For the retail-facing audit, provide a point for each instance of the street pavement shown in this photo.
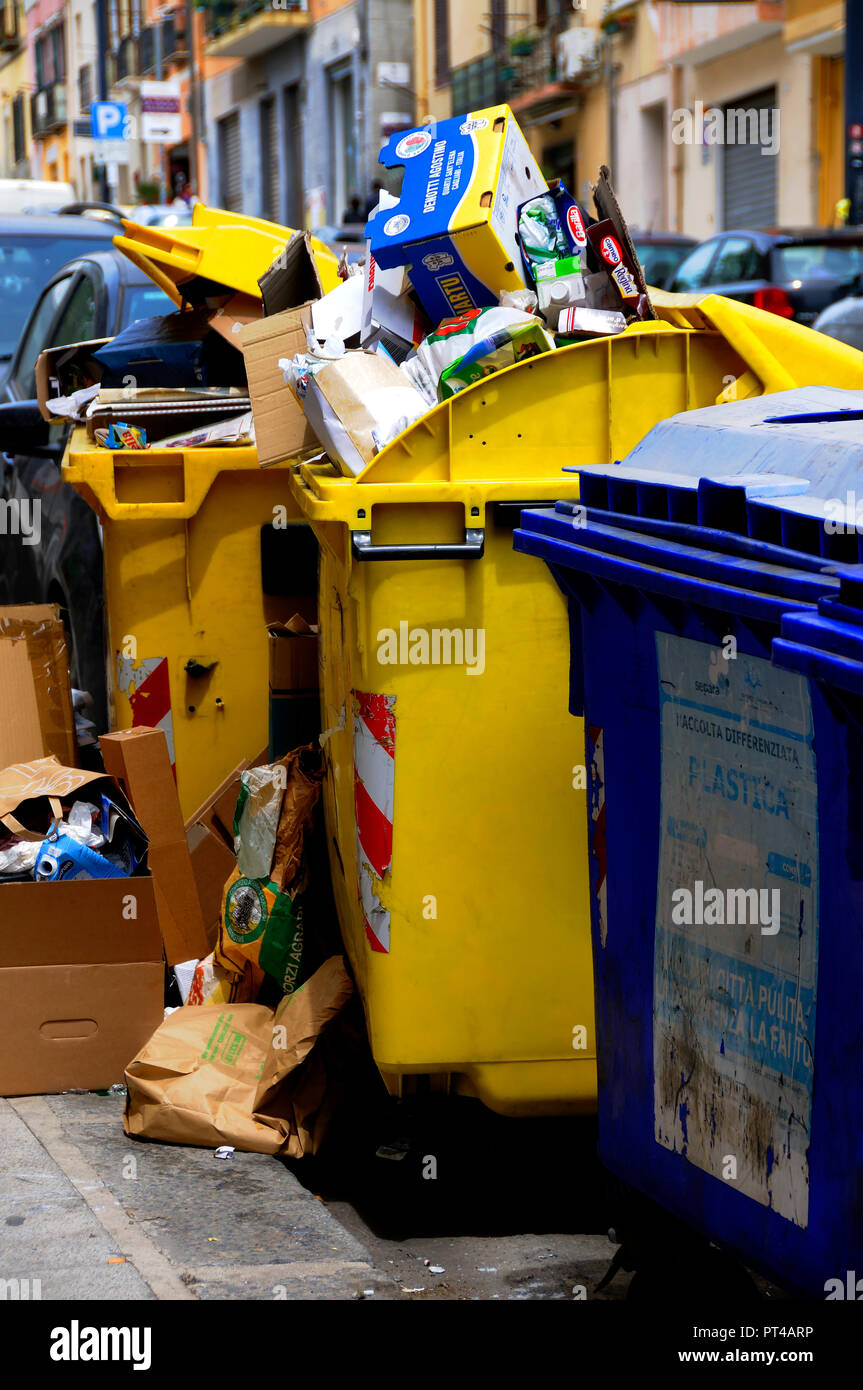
(92, 1214)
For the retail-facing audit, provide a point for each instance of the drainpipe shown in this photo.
(854, 110)
(191, 16)
(102, 74)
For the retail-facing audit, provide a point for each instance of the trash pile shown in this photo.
(478, 264)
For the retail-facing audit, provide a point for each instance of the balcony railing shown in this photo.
(48, 109)
(530, 68)
(174, 43)
(126, 59)
(147, 51)
(248, 28)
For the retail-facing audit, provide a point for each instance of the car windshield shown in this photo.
(810, 261)
(659, 260)
(26, 264)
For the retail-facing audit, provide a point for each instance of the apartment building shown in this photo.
(315, 89)
(15, 129)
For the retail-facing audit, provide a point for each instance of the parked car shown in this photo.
(32, 195)
(93, 296)
(844, 320)
(32, 248)
(160, 215)
(660, 254)
(795, 274)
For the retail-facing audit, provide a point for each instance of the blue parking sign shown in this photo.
(109, 120)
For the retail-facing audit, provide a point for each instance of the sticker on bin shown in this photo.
(374, 779)
(147, 687)
(736, 946)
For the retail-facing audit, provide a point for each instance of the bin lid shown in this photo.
(827, 644)
(219, 254)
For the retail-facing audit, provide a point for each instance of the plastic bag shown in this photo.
(256, 819)
(452, 339)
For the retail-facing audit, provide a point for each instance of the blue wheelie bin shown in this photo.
(716, 615)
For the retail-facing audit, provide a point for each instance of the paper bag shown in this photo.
(30, 794)
(243, 1074)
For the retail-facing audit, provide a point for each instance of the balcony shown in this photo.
(147, 52)
(537, 71)
(248, 28)
(48, 109)
(175, 48)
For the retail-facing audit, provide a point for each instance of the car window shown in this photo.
(77, 321)
(144, 302)
(36, 335)
(693, 272)
(659, 260)
(809, 262)
(26, 265)
(737, 259)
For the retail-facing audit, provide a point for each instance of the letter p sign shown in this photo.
(109, 120)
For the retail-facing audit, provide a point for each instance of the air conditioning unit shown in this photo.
(576, 51)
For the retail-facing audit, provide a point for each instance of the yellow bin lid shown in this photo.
(220, 253)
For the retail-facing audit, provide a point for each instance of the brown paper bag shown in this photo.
(240, 1074)
(30, 794)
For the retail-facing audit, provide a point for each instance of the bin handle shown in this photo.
(471, 548)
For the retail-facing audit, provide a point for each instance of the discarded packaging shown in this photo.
(247, 1076)
(489, 355)
(358, 404)
(453, 339)
(455, 224)
(594, 323)
(36, 712)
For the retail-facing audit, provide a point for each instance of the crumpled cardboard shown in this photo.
(242, 1074)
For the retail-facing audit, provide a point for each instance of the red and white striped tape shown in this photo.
(374, 780)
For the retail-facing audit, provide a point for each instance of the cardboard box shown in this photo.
(295, 709)
(60, 371)
(138, 760)
(213, 862)
(288, 290)
(197, 347)
(455, 224)
(81, 982)
(34, 675)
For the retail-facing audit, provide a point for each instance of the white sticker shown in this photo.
(395, 225)
(413, 144)
(467, 127)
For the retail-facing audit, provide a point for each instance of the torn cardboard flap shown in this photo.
(293, 279)
(281, 428)
(60, 371)
(138, 760)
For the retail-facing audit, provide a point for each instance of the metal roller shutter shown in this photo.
(230, 163)
(270, 191)
(748, 176)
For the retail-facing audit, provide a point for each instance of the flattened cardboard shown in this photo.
(21, 735)
(212, 864)
(40, 627)
(293, 658)
(281, 427)
(293, 278)
(138, 760)
(81, 981)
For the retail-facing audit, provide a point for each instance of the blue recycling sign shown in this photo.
(109, 120)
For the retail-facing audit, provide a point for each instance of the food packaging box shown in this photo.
(455, 225)
(289, 289)
(36, 712)
(138, 760)
(81, 982)
(350, 398)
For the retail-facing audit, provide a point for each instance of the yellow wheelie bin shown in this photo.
(456, 796)
(202, 547)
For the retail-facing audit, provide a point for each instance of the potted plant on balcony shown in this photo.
(521, 45)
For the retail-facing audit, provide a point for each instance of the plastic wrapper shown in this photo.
(542, 236)
(17, 857)
(501, 349)
(452, 340)
(256, 819)
(123, 436)
(523, 300)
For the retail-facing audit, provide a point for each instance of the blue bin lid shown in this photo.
(827, 644)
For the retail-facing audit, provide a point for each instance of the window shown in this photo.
(85, 89)
(737, 259)
(145, 302)
(693, 273)
(19, 135)
(808, 261)
(441, 42)
(35, 338)
(77, 321)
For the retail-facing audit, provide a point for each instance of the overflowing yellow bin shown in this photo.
(455, 797)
